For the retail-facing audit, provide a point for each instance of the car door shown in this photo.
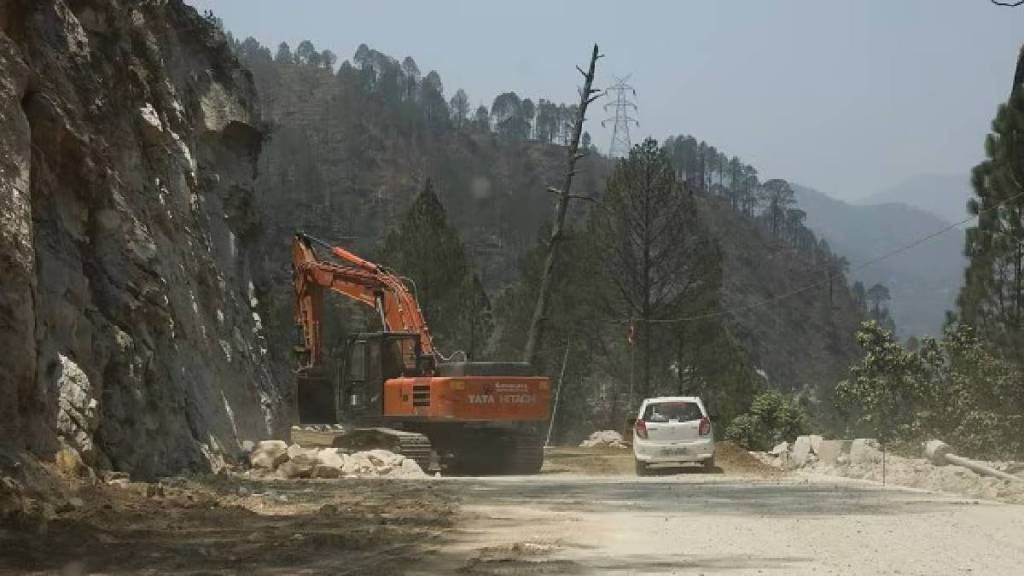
(673, 421)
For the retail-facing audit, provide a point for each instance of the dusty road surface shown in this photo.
(586, 514)
(736, 521)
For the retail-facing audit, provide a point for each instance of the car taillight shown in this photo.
(640, 429)
(705, 426)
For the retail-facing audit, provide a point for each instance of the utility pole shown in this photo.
(620, 145)
(587, 95)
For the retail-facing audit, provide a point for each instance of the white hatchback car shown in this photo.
(672, 430)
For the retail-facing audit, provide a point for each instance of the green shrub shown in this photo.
(772, 418)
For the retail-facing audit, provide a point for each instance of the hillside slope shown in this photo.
(348, 151)
(923, 280)
(127, 146)
(944, 195)
(800, 342)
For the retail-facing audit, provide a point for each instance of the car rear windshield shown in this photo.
(666, 411)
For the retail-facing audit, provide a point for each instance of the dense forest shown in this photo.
(372, 154)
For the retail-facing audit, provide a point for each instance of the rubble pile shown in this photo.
(606, 439)
(276, 459)
(862, 459)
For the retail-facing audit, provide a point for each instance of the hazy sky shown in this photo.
(850, 97)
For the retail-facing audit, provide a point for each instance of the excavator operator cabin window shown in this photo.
(357, 362)
(391, 358)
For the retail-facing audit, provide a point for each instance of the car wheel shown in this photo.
(641, 468)
(709, 464)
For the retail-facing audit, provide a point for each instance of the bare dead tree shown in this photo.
(587, 95)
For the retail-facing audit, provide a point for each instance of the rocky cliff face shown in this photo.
(129, 328)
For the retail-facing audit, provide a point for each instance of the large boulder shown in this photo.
(830, 450)
(329, 463)
(864, 451)
(269, 454)
(801, 451)
(816, 442)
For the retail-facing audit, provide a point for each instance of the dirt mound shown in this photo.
(733, 459)
(609, 438)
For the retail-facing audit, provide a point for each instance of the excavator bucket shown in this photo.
(315, 398)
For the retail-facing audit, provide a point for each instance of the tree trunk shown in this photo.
(535, 335)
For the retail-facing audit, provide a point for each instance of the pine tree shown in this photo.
(425, 249)
(655, 252)
(992, 298)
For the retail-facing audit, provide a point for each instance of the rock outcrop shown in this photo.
(129, 325)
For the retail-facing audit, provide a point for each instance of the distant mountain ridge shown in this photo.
(924, 280)
(944, 195)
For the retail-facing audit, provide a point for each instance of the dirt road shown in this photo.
(586, 519)
(703, 524)
(576, 518)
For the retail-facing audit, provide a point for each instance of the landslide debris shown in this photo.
(274, 459)
(862, 459)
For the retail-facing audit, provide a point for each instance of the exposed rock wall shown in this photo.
(129, 329)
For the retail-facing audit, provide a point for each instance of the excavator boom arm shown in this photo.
(355, 278)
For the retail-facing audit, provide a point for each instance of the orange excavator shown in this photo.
(392, 389)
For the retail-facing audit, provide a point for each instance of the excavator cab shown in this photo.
(369, 360)
(355, 393)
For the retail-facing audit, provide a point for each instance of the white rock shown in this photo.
(358, 464)
(831, 451)
(297, 450)
(779, 449)
(864, 451)
(329, 463)
(816, 442)
(299, 466)
(382, 458)
(609, 438)
(269, 454)
(801, 450)
(77, 408)
(408, 469)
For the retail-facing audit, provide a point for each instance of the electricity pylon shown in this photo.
(620, 144)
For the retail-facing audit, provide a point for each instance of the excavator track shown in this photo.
(409, 444)
(498, 454)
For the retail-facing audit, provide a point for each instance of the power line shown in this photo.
(821, 283)
(620, 144)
